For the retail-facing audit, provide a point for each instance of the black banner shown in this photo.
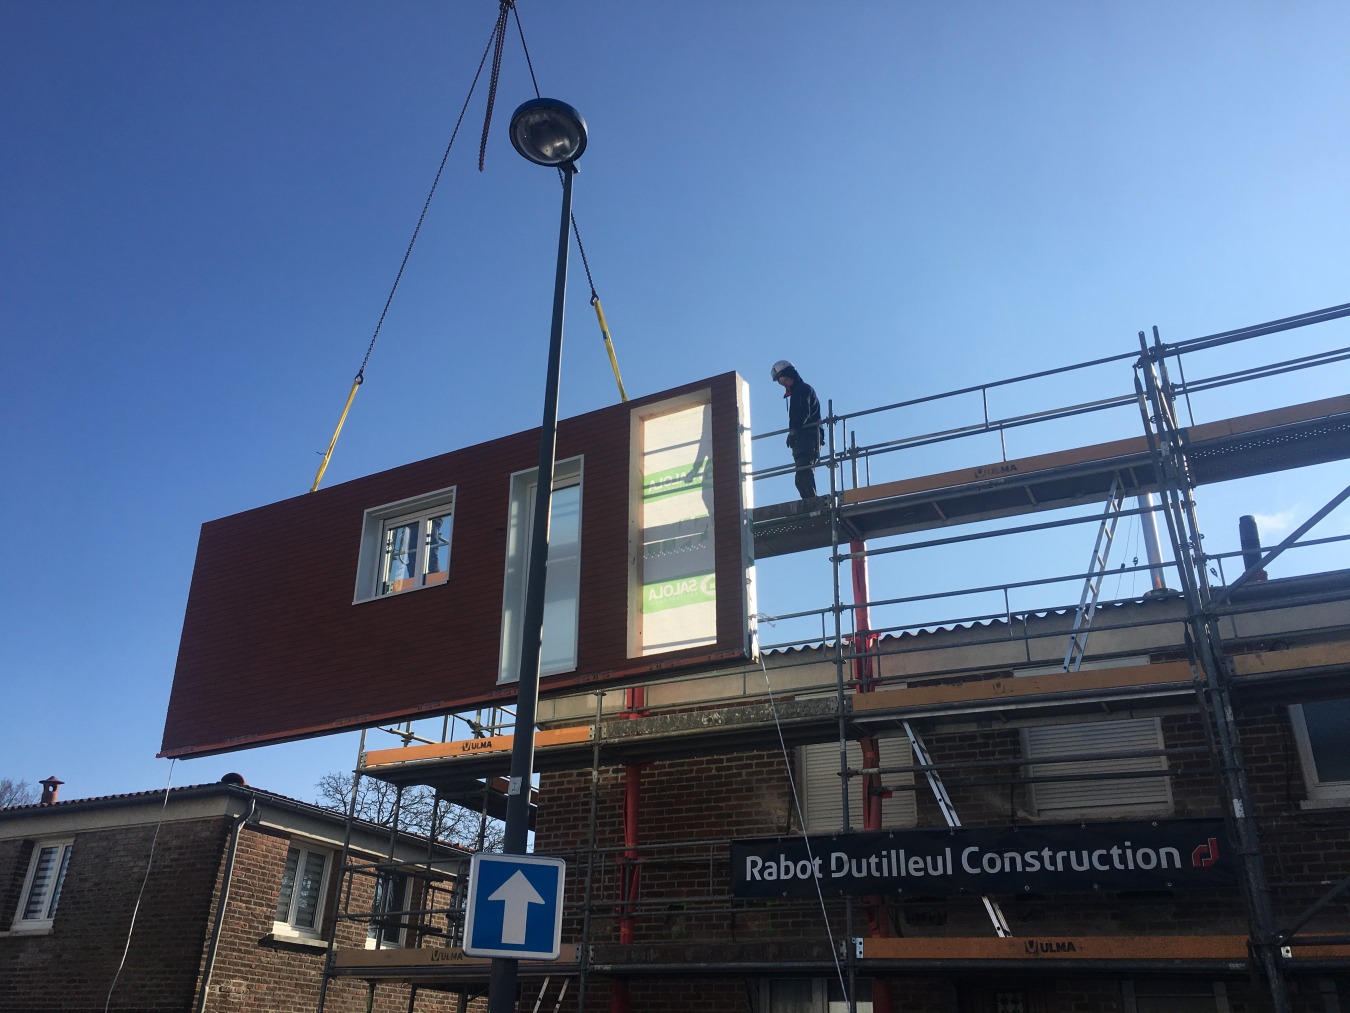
(1029, 858)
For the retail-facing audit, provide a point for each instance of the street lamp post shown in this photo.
(551, 133)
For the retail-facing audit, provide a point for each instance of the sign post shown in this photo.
(552, 133)
(515, 907)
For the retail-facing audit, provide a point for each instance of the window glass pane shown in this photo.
(792, 995)
(1328, 724)
(288, 885)
(307, 896)
(390, 891)
(561, 584)
(60, 880)
(561, 588)
(42, 883)
(399, 568)
(438, 550)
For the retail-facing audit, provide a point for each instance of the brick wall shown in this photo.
(748, 795)
(14, 858)
(254, 973)
(72, 968)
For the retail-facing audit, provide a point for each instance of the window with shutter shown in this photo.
(300, 899)
(1117, 797)
(42, 886)
(819, 785)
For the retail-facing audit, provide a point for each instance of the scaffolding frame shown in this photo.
(848, 646)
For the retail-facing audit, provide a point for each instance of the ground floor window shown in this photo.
(300, 901)
(811, 995)
(1162, 996)
(391, 897)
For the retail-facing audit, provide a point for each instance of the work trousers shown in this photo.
(806, 461)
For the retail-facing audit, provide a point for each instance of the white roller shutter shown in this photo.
(1074, 798)
(819, 784)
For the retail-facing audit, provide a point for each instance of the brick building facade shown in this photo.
(726, 951)
(282, 899)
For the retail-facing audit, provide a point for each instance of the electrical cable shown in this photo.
(361, 373)
(801, 820)
(136, 910)
(585, 263)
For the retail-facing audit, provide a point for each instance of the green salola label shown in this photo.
(675, 481)
(669, 594)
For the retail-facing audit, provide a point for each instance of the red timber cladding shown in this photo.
(273, 648)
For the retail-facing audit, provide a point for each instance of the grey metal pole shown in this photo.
(1149, 522)
(502, 983)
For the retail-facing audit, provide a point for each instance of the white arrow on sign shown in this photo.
(517, 894)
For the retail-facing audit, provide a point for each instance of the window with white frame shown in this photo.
(391, 895)
(300, 901)
(42, 886)
(1130, 796)
(562, 575)
(822, 801)
(1323, 750)
(405, 546)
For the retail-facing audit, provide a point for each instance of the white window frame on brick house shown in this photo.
(289, 928)
(818, 786)
(1322, 794)
(431, 518)
(60, 849)
(562, 581)
(1109, 798)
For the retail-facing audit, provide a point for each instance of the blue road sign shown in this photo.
(515, 907)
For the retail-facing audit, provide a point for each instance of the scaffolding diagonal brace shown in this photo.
(949, 814)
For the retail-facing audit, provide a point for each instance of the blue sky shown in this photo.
(205, 206)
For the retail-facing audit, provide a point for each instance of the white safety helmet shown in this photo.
(779, 367)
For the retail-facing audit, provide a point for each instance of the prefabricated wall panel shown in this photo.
(274, 649)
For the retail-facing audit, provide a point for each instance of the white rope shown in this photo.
(135, 910)
(801, 821)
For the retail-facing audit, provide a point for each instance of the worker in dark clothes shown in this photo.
(805, 433)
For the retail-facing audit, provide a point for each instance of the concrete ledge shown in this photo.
(1317, 656)
(1169, 673)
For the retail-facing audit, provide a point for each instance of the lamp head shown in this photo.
(548, 132)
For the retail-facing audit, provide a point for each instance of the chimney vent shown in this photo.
(233, 778)
(49, 786)
(1250, 537)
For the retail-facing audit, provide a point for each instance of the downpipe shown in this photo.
(224, 899)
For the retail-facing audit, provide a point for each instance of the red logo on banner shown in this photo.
(1206, 854)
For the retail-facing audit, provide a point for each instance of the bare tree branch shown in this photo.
(375, 803)
(16, 793)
